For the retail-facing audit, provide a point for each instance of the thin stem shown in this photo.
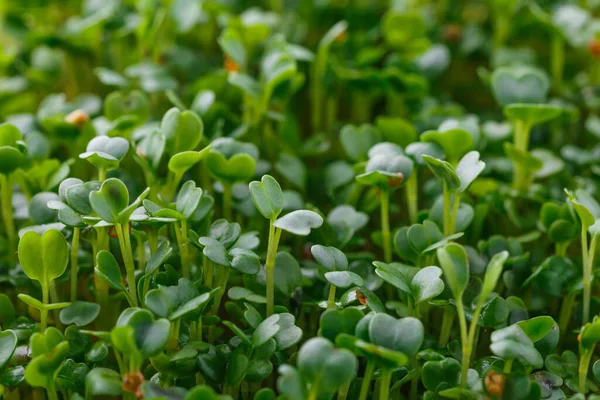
(7, 215)
(182, 242)
(385, 226)
(44, 311)
(314, 390)
(141, 250)
(101, 174)
(561, 248)
(209, 270)
(366, 382)
(331, 299)
(584, 364)
(412, 197)
(455, 207)
(274, 235)
(447, 212)
(153, 240)
(51, 391)
(74, 263)
(222, 283)
(557, 61)
(566, 312)
(447, 320)
(521, 139)
(587, 274)
(384, 385)
(124, 242)
(508, 366)
(227, 199)
(464, 339)
(343, 392)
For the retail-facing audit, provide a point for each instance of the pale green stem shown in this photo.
(587, 279)
(74, 263)
(508, 366)
(227, 199)
(446, 328)
(343, 391)
(558, 60)
(455, 207)
(385, 226)
(182, 242)
(331, 299)
(566, 312)
(447, 212)
(44, 311)
(366, 382)
(274, 235)
(384, 385)
(466, 356)
(7, 215)
(412, 197)
(124, 242)
(584, 364)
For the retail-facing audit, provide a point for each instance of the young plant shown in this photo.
(13, 155)
(455, 264)
(588, 210)
(455, 182)
(43, 258)
(268, 200)
(588, 338)
(387, 169)
(111, 203)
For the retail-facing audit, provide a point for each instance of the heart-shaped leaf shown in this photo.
(80, 313)
(319, 360)
(188, 199)
(455, 264)
(519, 84)
(344, 279)
(454, 142)
(468, 169)
(183, 130)
(329, 257)
(532, 114)
(404, 335)
(12, 151)
(44, 258)
(299, 222)
(181, 162)
(151, 336)
(8, 344)
(110, 200)
(426, 284)
(336, 321)
(103, 382)
(159, 257)
(512, 342)
(104, 152)
(134, 104)
(386, 171)
(267, 197)
(444, 171)
(107, 269)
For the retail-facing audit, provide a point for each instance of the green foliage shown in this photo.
(209, 200)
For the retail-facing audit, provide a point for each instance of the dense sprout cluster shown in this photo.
(299, 199)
